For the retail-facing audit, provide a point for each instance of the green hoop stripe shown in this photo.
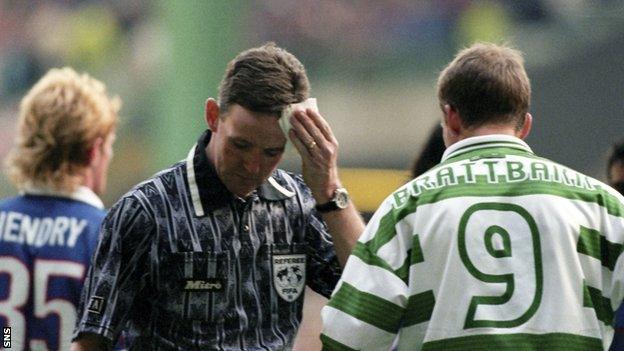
(417, 252)
(363, 252)
(482, 188)
(414, 256)
(403, 271)
(592, 243)
(387, 230)
(367, 307)
(593, 298)
(331, 344)
(514, 342)
(419, 308)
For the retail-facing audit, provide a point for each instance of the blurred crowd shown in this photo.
(388, 31)
(126, 43)
(116, 41)
(89, 35)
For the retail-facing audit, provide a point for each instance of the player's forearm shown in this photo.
(345, 227)
(90, 342)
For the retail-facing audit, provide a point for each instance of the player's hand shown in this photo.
(315, 142)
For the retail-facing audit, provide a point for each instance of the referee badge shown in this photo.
(289, 275)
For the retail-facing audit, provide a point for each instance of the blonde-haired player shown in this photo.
(48, 232)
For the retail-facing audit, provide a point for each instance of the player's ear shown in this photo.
(451, 125)
(452, 119)
(95, 151)
(212, 114)
(526, 126)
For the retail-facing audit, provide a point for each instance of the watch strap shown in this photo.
(327, 207)
(339, 201)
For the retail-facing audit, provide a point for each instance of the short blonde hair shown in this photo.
(487, 84)
(59, 120)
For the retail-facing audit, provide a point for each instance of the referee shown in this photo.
(215, 252)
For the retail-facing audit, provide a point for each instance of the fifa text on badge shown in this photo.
(6, 337)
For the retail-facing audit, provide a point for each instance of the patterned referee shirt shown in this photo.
(183, 264)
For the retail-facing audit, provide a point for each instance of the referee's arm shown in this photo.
(318, 148)
(345, 227)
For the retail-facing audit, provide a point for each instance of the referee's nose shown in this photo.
(253, 163)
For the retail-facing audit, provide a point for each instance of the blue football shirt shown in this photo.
(46, 243)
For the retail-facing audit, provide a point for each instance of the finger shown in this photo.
(299, 145)
(310, 127)
(303, 133)
(321, 124)
(300, 129)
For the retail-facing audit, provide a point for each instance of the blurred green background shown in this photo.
(372, 65)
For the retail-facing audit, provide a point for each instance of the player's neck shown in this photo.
(489, 129)
(88, 179)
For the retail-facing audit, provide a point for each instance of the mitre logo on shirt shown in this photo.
(210, 284)
(96, 305)
(289, 275)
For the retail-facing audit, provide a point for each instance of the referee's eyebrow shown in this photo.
(245, 142)
(239, 140)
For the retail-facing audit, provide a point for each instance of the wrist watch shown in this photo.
(339, 201)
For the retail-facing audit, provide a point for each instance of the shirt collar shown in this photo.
(485, 141)
(208, 191)
(82, 193)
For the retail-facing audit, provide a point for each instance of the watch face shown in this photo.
(341, 198)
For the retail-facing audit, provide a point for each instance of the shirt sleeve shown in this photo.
(611, 243)
(366, 309)
(118, 270)
(322, 269)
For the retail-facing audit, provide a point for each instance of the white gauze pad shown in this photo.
(284, 121)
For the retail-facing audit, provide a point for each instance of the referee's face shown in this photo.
(245, 147)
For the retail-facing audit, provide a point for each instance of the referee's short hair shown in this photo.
(59, 120)
(263, 79)
(486, 83)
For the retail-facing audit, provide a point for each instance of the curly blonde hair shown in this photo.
(60, 118)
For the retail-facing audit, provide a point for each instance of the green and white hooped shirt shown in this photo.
(495, 248)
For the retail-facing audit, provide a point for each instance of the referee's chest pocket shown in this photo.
(202, 283)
